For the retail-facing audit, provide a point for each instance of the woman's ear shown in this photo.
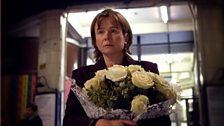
(126, 38)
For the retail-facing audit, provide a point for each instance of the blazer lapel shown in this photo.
(129, 61)
(100, 64)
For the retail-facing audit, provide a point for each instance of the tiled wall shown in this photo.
(50, 48)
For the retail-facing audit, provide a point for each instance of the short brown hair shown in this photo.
(120, 19)
(33, 106)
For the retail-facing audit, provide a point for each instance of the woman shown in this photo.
(111, 38)
(32, 117)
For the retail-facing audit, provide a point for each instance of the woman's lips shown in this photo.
(108, 45)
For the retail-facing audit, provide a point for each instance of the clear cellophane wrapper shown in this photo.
(92, 111)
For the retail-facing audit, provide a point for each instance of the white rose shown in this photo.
(139, 104)
(160, 80)
(141, 79)
(94, 83)
(133, 68)
(164, 87)
(101, 74)
(116, 73)
(152, 75)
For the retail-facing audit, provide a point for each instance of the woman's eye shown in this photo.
(100, 31)
(114, 30)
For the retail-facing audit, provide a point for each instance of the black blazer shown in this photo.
(75, 114)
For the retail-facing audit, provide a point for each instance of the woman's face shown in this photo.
(29, 112)
(109, 37)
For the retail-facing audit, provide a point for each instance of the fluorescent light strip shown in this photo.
(164, 13)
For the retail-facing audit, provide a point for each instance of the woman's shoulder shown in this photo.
(82, 70)
(148, 63)
(149, 66)
(82, 74)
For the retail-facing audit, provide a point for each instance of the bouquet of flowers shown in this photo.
(126, 92)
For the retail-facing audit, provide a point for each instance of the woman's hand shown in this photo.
(104, 122)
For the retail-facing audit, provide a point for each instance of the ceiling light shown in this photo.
(164, 13)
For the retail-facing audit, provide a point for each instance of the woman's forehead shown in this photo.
(102, 20)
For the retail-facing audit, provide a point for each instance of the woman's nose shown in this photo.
(107, 35)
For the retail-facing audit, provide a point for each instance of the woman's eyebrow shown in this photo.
(100, 27)
(114, 26)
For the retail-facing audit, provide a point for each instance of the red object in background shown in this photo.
(67, 88)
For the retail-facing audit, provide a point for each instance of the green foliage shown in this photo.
(110, 92)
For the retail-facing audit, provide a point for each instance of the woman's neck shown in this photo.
(113, 60)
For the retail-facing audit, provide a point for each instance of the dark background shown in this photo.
(16, 10)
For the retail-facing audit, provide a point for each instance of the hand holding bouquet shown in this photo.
(126, 92)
